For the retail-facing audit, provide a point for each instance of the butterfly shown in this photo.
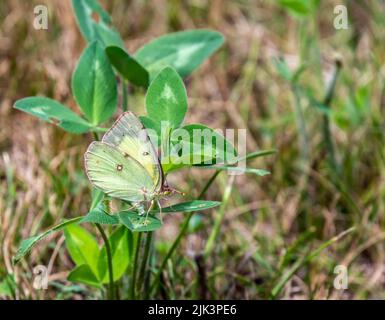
(125, 164)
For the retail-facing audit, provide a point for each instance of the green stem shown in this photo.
(218, 221)
(143, 265)
(326, 121)
(109, 262)
(111, 290)
(300, 120)
(180, 235)
(124, 94)
(208, 185)
(96, 136)
(135, 266)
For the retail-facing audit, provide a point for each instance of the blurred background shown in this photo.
(282, 235)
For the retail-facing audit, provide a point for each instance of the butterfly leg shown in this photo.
(148, 210)
(160, 210)
(135, 205)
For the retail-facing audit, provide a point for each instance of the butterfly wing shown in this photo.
(130, 137)
(117, 175)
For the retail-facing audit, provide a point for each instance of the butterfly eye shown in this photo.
(119, 167)
(146, 153)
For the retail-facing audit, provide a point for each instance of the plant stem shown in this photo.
(96, 136)
(144, 261)
(111, 290)
(218, 221)
(326, 121)
(208, 184)
(300, 120)
(305, 259)
(124, 94)
(109, 262)
(180, 235)
(135, 266)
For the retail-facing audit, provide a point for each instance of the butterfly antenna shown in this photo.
(178, 192)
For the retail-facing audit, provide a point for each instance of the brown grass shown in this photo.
(42, 179)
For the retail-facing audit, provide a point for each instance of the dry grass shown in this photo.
(270, 223)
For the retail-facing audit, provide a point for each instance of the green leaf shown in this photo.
(127, 66)
(195, 144)
(166, 99)
(119, 240)
(82, 246)
(135, 222)
(232, 166)
(8, 286)
(190, 206)
(27, 244)
(152, 128)
(94, 84)
(285, 72)
(282, 69)
(83, 12)
(184, 51)
(84, 274)
(54, 112)
(107, 35)
(258, 172)
(97, 198)
(256, 154)
(98, 215)
(299, 7)
(251, 155)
